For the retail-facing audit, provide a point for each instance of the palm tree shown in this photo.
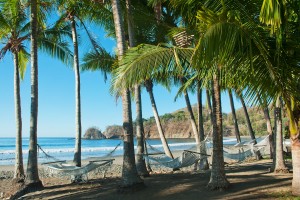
(249, 125)
(203, 165)
(269, 129)
(71, 12)
(276, 15)
(217, 171)
(140, 161)
(236, 127)
(279, 164)
(130, 176)
(13, 21)
(32, 176)
(149, 88)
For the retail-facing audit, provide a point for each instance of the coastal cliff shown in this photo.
(178, 125)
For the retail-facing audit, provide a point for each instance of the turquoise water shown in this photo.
(62, 148)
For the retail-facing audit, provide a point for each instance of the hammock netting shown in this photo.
(238, 153)
(187, 158)
(78, 174)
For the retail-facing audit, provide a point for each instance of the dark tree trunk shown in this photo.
(19, 174)
(218, 180)
(235, 123)
(209, 106)
(249, 125)
(140, 161)
(130, 178)
(32, 174)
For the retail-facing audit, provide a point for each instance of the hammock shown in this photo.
(240, 154)
(76, 174)
(187, 158)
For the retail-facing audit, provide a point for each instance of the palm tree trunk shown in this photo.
(269, 130)
(192, 118)
(209, 106)
(130, 176)
(236, 127)
(218, 178)
(149, 87)
(140, 161)
(32, 175)
(19, 174)
(77, 153)
(203, 164)
(280, 166)
(250, 129)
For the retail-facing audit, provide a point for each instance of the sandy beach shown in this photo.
(248, 180)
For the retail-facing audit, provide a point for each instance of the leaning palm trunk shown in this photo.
(19, 168)
(236, 127)
(130, 176)
(149, 87)
(32, 175)
(280, 166)
(203, 165)
(269, 130)
(192, 118)
(218, 178)
(140, 161)
(250, 129)
(77, 153)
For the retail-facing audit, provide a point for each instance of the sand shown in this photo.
(248, 180)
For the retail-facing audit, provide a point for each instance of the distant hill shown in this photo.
(177, 124)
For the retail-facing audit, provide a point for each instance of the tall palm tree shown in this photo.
(32, 175)
(73, 12)
(217, 171)
(279, 165)
(149, 88)
(13, 22)
(275, 14)
(140, 161)
(69, 13)
(203, 165)
(130, 176)
(249, 125)
(234, 119)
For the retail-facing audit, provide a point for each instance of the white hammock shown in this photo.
(187, 158)
(241, 152)
(61, 168)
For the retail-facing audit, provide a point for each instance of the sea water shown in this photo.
(62, 148)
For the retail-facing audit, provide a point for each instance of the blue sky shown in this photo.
(56, 116)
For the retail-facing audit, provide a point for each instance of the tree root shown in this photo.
(281, 171)
(27, 188)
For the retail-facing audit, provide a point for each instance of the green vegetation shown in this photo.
(256, 116)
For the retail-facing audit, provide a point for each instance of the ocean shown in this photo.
(62, 148)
